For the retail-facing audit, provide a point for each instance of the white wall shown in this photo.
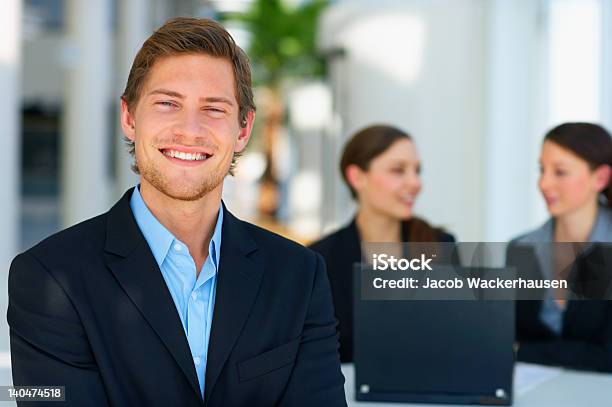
(10, 61)
(420, 65)
(514, 114)
(478, 83)
(43, 74)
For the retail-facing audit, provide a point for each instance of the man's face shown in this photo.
(185, 125)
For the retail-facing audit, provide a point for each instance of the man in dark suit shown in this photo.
(168, 299)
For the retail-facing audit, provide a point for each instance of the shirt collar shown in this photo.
(214, 248)
(160, 239)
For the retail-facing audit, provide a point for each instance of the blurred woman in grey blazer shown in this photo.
(575, 172)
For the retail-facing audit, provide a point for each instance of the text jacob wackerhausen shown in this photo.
(385, 262)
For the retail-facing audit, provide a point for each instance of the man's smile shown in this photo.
(180, 156)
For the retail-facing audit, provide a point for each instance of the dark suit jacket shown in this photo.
(585, 341)
(89, 310)
(341, 250)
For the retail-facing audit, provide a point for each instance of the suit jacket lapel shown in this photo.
(131, 261)
(238, 281)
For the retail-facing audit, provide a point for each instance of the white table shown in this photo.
(566, 389)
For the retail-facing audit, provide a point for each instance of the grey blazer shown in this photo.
(602, 230)
(581, 335)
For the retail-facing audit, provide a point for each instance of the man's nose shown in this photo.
(190, 124)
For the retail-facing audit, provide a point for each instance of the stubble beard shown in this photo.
(181, 191)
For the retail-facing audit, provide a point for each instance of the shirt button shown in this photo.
(196, 360)
(194, 295)
(177, 247)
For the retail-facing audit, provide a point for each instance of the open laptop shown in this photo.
(430, 351)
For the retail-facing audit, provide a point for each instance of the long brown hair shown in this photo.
(366, 145)
(590, 142)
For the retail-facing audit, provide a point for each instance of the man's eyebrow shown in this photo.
(166, 92)
(218, 99)
(210, 99)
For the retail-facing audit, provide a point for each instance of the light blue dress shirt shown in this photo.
(194, 297)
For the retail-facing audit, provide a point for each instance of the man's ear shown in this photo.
(355, 177)
(127, 121)
(245, 132)
(602, 177)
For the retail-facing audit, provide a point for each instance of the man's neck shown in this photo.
(191, 222)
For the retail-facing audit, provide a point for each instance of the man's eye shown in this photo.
(166, 103)
(215, 111)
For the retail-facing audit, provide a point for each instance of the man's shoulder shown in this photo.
(326, 243)
(276, 244)
(290, 269)
(335, 241)
(73, 242)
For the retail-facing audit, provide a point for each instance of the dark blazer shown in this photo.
(341, 250)
(585, 341)
(89, 310)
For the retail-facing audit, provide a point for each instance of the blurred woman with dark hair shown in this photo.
(381, 167)
(575, 172)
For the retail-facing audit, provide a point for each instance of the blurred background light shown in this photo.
(394, 43)
(310, 106)
(575, 60)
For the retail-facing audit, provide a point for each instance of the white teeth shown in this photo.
(185, 156)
